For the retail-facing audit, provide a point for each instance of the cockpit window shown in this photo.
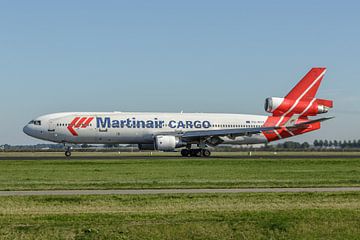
(35, 122)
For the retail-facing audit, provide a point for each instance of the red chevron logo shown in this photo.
(79, 122)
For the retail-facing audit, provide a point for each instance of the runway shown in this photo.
(171, 157)
(177, 191)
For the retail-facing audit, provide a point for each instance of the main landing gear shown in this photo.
(195, 152)
(68, 151)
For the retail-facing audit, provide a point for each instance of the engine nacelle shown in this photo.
(167, 143)
(309, 107)
(272, 103)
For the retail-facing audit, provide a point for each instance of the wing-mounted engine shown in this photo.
(306, 107)
(167, 142)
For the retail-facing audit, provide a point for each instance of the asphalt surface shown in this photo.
(127, 157)
(176, 191)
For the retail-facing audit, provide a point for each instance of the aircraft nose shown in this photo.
(26, 130)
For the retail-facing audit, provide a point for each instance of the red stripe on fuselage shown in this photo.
(271, 135)
(71, 125)
(88, 121)
(82, 120)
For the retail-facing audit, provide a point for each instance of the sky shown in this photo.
(172, 56)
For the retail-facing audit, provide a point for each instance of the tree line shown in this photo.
(318, 144)
(337, 143)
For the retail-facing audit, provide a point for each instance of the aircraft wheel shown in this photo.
(205, 153)
(67, 153)
(194, 152)
(185, 152)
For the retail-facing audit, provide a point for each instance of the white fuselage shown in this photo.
(137, 128)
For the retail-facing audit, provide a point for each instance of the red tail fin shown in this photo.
(308, 86)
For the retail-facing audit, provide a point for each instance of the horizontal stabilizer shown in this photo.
(304, 124)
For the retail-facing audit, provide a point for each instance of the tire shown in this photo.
(67, 153)
(205, 153)
(185, 152)
(194, 153)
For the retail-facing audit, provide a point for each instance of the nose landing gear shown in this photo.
(201, 152)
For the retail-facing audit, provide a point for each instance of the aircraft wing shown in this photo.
(227, 132)
(245, 131)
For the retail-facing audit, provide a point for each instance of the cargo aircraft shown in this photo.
(193, 132)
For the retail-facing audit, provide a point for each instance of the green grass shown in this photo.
(166, 171)
(183, 216)
(180, 216)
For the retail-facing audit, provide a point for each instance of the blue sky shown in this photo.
(195, 56)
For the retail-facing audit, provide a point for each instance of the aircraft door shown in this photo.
(53, 135)
(51, 126)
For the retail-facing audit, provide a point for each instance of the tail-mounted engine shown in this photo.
(309, 107)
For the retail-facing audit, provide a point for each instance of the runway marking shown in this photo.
(177, 191)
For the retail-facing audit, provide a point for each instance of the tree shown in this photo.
(291, 145)
(326, 143)
(316, 143)
(305, 145)
(321, 143)
(335, 143)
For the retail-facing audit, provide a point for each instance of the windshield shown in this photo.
(35, 122)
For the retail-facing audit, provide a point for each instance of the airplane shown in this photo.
(170, 131)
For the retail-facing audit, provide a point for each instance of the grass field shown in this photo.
(183, 216)
(180, 216)
(224, 170)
